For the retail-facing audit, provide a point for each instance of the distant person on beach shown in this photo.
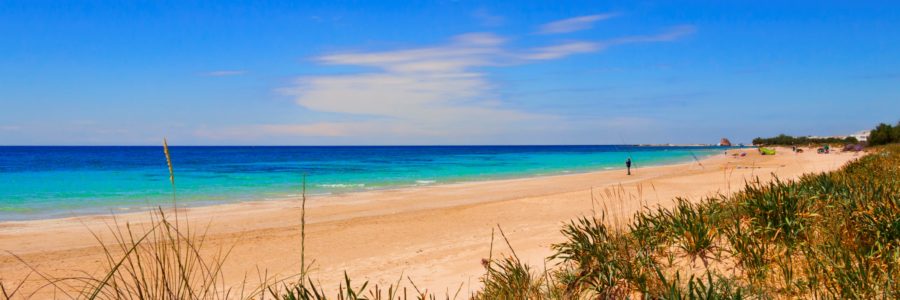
(628, 165)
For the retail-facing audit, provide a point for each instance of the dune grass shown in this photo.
(830, 235)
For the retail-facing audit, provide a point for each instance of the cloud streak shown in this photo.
(429, 91)
(439, 91)
(574, 24)
(222, 73)
(577, 47)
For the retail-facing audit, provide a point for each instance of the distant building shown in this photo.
(861, 136)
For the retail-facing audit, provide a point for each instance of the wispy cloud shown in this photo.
(10, 128)
(486, 18)
(562, 50)
(439, 91)
(574, 24)
(668, 36)
(576, 47)
(221, 73)
(428, 91)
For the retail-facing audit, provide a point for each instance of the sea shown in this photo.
(40, 182)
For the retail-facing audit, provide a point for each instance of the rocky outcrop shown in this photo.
(725, 142)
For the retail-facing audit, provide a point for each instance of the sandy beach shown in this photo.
(436, 235)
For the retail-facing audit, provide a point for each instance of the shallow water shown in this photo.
(43, 182)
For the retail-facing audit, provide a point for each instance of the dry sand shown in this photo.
(436, 235)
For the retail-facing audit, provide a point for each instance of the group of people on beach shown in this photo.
(822, 150)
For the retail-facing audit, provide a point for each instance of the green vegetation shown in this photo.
(884, 134)
(787, 140)
(828, 235)
(832, 235)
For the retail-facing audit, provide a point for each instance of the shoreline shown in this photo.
(192, 205)
(314, 198)
(437, 235)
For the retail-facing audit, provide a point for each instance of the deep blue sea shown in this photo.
(46, 182)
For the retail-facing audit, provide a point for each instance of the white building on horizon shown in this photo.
(861, 136)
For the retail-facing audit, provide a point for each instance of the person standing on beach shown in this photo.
(628, 165)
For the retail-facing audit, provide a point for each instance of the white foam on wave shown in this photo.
(425, 181)
(341, 185)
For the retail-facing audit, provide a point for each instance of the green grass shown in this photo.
(830, 235)
(786, 140)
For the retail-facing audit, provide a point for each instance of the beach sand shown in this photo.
(436, 235)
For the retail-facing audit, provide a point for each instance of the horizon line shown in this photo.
(383, 145)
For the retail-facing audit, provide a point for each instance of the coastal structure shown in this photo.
(861, 136)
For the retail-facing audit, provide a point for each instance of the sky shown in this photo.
(443, 72)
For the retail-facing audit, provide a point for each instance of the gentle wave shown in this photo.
(341, 185)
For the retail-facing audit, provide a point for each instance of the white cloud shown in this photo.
(422, 92)
(440, 91)
(577, 47)
(562, 50)
(221, 73)
(429, 91)
(464, 51)
(574, 24)
(672, 34)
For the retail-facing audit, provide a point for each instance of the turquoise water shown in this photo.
(45, 182)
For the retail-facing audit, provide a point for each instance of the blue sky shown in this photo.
(442, 72)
